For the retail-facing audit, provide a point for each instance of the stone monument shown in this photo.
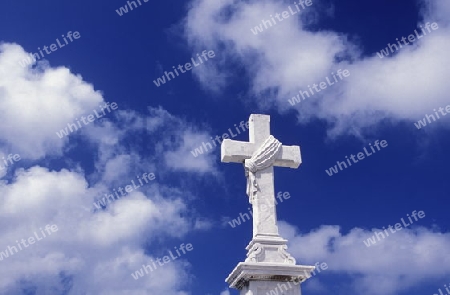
(268, 265)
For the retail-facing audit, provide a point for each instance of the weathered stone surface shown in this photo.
(264, 212)
(268, 265)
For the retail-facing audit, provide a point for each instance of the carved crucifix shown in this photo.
(265, 152)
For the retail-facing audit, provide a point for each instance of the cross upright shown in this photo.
(264, 211)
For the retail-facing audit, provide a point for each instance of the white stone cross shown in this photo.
(264, 212)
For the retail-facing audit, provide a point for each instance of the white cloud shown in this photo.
(396, 263)
(179, 139)
(169, 141)
(182, 158)
(91, 251)
(37, 102)
(106, 245)
(288, 57)
(203, 224)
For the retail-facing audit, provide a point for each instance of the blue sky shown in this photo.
(57, 179)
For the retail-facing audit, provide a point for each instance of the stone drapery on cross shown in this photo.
(259, 156)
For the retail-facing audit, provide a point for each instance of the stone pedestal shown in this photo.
(268, 269)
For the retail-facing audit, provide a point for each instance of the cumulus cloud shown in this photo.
(400, 261)
(93, 250)
(288, 57)
(180, 139)
(182, 158)
(35, 102)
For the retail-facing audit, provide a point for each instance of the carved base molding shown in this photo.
(268, 267)
(250, 277)
(271, 249)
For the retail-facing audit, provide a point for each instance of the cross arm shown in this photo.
(233, 151)
(237, 151)
(289, 156)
